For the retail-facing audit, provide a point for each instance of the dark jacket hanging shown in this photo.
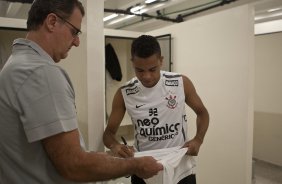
(112, 63)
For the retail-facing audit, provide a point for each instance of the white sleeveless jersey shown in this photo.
(157, 113)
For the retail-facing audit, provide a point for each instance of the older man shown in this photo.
(39, 136)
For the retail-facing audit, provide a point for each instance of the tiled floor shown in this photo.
(266, 173)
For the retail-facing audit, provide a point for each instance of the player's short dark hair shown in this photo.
(145, 46)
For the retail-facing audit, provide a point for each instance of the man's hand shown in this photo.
(193, 146)
(147, 167)
(121, 150)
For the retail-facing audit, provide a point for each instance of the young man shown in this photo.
(155, 101)
(39, 136)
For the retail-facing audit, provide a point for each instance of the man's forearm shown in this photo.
(73, 163)
(100, 166)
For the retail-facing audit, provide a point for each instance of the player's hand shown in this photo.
(122, 150)
(193, 146)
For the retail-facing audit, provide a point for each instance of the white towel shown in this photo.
(176, 163)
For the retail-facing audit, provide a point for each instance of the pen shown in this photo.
(125, 143)
(123, 140)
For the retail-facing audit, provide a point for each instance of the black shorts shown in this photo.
(191, 179)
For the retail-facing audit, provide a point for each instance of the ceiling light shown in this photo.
(110, 17)
(158, 5)
(156, 1)
(136, 8)
(267, 16)
(150, 1)
(273, 9)
(121, 19)
(141, 11)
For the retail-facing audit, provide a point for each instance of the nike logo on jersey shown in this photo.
(137, 106)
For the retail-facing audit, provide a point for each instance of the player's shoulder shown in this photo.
(131, 83)
(131, 87)
(171, 79)
(170, 75)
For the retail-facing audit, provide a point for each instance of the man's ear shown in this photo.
(51, 21)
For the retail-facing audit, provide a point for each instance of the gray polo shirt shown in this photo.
(37, 100)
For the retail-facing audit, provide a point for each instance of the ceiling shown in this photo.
(158, 14)
(186, 9)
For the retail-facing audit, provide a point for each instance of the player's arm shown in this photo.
(115, 118)
(193, 100)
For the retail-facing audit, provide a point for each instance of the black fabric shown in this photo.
(136, 180)
(191, 179)
(112, 63)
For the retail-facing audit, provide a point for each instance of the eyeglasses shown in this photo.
(75, 31)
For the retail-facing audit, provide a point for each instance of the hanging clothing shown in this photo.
(112, 63)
